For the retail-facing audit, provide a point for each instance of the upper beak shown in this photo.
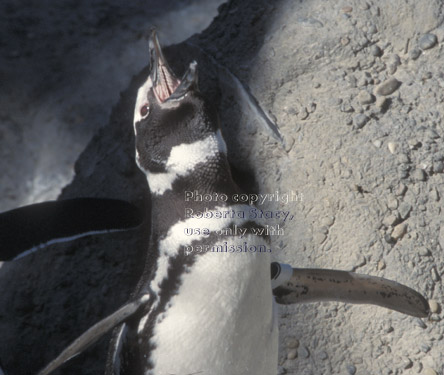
(164, 80)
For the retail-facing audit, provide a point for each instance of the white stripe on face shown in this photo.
(183, 159)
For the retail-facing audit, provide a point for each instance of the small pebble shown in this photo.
(388, 87)
(292, 354)
(347, 9)
(423, 251)
(319, 237)
(289, 143)
(392, 203)
(400, 190)
(291, 342)
(393, 147)
(420, 323)
(399, 231)
(429, 371)
(414, 144)
(435, 274)
(377, 143)
(375, 50)
(438, 167)
(360, 120)
(327, 221)
(372, 29)
(345, 41)
(365, 97)
(431, 134)
(390, 220)
(382, 103)
(415, 53)
(406, 363)
(434, 195)
(427, 41)
(351, 369)
(404, 210)
(346, 107)
(419, 175)
(403, 158)
(303, 352)
(323, 355)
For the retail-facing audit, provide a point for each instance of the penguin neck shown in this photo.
(200, 168)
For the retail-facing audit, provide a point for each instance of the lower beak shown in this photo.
(164, 80)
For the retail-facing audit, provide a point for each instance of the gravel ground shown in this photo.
(357, 90)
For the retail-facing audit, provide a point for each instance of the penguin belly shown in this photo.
(222, 320)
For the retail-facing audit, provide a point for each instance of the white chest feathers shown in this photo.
(223, 319)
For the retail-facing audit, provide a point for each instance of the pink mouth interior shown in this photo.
(166, 84)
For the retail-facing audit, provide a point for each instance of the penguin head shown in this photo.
(169, 112)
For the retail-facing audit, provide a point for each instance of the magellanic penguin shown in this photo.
(213, 310)
(207, 307)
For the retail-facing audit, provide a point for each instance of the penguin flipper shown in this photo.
(312, 285)
(96, 332)
(124, 356)
(26, 229)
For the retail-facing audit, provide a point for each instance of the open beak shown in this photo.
(164, 81)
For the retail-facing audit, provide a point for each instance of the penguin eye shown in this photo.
(144, 110)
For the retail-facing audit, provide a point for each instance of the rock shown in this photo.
(414, 144)
(327, 221)
(381, 103)
(434, 195)
(365, 97)
(323, 355)
(400, 190)
(423, 251)
(292, 354)
(434, 306)
(377, 143)
(419, 175)
(403, 158)
(431, 134)
(427, 41)
(404, 210)
(303, 352)
(392, 203)
(381, 265)
(438, 167)
(291, 343)
(375, 50)
(435, 274)
(388, 87)
(415, 53)
(351, 369)
(390, 220)
(360, 120)
(399, 231)
(429, 371)
(393, 147)
(346, 107)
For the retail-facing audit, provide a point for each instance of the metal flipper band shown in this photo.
(280, 274)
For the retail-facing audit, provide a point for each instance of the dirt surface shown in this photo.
(357, 91)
